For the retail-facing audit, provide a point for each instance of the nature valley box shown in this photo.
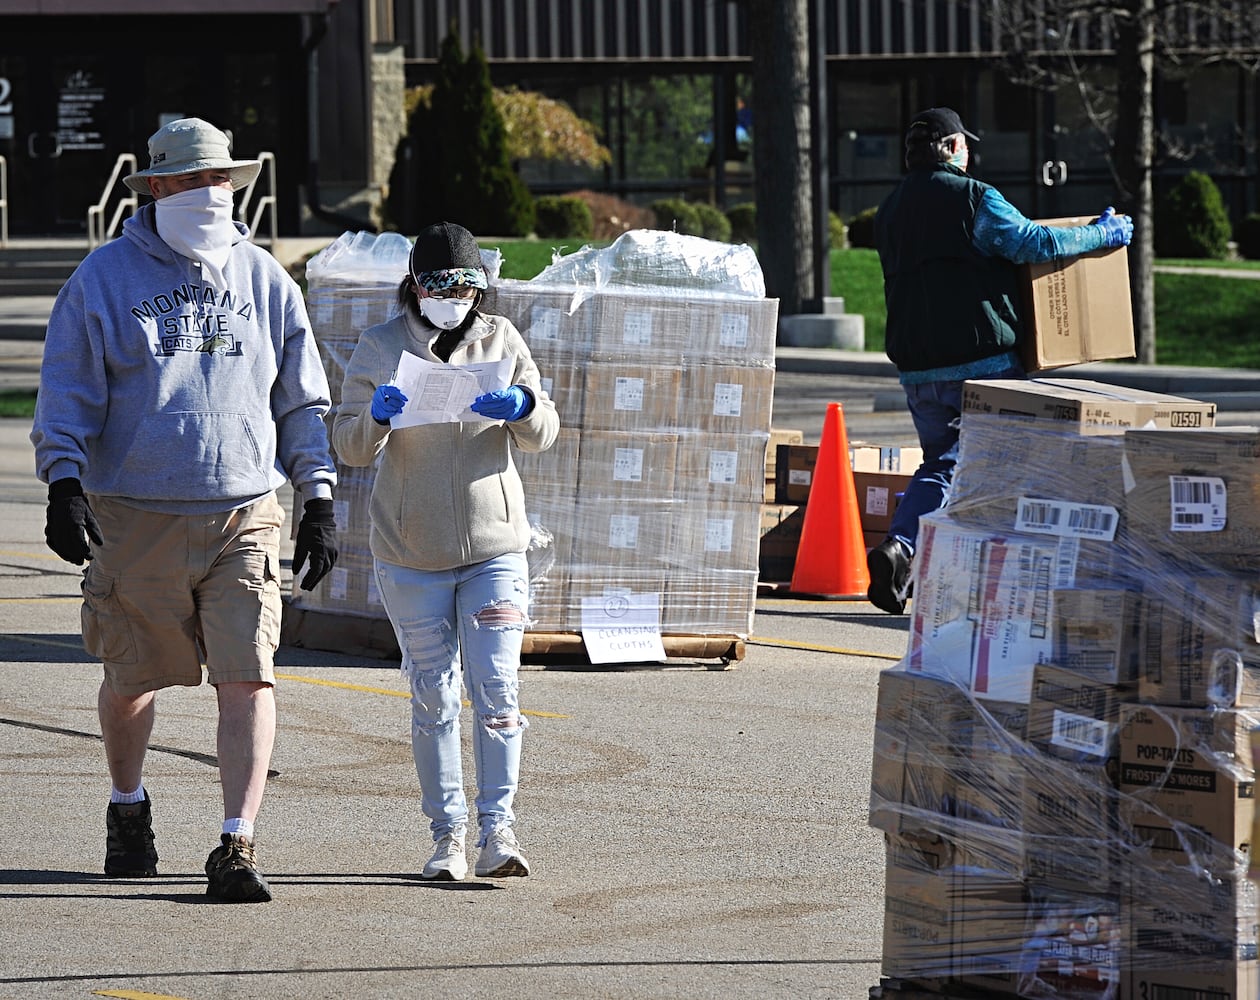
(1076, 308)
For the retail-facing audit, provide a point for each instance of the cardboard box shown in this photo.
(918, 911)
(1076, 308)
(879, 458)
(780, 539)
(1098, 634)
(983, 610)
(1072, 717)
(1191, 936)
(726, 399)
(1200, 645)
(635, 465)
(720, 466)
(1087, 407)
(794, 472)
(1189, 780)
(1194, 494)
(877, 496)
(625, 396)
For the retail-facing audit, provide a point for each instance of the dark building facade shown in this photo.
(320, 84)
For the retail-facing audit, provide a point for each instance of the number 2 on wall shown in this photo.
(6, 88)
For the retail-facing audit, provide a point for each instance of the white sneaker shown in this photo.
(501, 855)
(448, 863)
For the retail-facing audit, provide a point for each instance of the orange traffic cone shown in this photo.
(831, 558)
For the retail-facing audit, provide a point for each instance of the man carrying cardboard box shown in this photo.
(948, 245)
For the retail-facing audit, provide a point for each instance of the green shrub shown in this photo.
(837, 232)
(1191, 221)
(1248, 236)
(862, 229)
(714, 225)
(560, 216)
(743, 220)
(676, 215)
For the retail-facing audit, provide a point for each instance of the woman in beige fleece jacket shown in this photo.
(448, 540)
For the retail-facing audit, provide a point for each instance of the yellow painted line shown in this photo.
(391, 692)
(136, 995)
(51, 557)
(758, 640)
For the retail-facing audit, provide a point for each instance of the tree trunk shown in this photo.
(1134, 155)
(779, 38)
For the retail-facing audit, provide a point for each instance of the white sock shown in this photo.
(127, 798)
(239, 827)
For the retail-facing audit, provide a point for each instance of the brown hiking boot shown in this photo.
(233, 872)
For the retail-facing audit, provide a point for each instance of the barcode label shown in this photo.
(1197, 503)
(1066, 519)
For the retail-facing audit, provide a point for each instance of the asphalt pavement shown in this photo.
(694, 831)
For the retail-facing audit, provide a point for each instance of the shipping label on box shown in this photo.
(1076, 309)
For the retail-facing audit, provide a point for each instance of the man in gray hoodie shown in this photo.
(180, 387)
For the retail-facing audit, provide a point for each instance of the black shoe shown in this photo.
(129, 850)
(890, 576)
(233, 872)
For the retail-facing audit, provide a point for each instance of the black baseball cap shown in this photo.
(937, 123)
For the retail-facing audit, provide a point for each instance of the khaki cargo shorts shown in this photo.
(167, 589)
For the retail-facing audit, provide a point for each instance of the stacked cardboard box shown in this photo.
(1062, 760)
(667, 393)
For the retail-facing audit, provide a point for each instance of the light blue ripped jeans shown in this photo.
(474, 615)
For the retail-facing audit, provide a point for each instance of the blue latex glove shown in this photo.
(388, 401)
(511, 403)
(1117, 229)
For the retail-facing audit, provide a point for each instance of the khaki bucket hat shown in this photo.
(186, 146)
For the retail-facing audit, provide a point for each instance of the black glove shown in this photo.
(317, 538)
(70, 522)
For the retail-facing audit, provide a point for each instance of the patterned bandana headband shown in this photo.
(436, 281)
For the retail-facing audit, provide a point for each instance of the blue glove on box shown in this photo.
(511, 403)
(388, 401)
(1117, 229)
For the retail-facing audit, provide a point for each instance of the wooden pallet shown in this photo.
(560, 647)
(305, 628)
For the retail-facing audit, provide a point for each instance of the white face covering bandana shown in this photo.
(445, 314)
(198, 224)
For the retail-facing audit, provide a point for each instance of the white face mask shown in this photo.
(198, 224)
(445, 314)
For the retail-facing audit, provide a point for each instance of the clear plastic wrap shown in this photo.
(660, 262)
(1063, 765)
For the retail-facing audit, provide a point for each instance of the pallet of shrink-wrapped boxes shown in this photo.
(1062, 761)
(659, 354)
(658, 351)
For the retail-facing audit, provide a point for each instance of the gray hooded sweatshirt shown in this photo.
(173, 396)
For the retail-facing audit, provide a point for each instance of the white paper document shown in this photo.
(439, 394)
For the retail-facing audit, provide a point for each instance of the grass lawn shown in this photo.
(1202, 320)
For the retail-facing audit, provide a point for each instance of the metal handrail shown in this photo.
(266, 202)
(98, 233)
(4, 202)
